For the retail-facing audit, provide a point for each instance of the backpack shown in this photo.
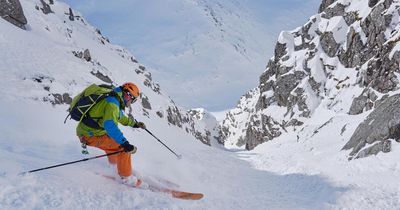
(83, 102)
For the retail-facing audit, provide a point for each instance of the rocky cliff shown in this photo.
(345, 59)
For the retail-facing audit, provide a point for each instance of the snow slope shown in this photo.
(298, 170)
(42, 59)
(38, 63)
(371, 183)
(228, 183)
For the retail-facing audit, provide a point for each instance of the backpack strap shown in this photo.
(69, 114)
(93, 122)
(90, 122)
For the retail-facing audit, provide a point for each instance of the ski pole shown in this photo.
(131, 116)
(63, 164)
(178, 156)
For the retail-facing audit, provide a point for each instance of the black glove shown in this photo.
(128, 147)
(139, 125)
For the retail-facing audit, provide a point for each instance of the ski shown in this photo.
(177, 193)
(154, 188)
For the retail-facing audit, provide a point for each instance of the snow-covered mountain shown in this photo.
(49, 53)
(227, 41)
(51, 57)
(328, 104)
(62, 54)
(203, 45)
(344, 60)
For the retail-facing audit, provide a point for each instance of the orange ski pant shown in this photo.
(106, 143)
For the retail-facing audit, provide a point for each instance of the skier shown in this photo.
(107, 136)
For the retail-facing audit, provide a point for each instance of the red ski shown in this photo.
(154, 188)
(177, 193)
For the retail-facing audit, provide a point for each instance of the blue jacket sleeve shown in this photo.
(114, 132)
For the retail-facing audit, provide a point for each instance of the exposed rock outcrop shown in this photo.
(11, 10)
(383, 123)
(325, 4)
(45, 7)
(340, 50)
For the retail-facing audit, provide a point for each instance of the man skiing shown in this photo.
(107, 136)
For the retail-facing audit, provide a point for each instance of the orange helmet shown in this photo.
(131, 88)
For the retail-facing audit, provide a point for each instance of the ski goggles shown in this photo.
(133, 98)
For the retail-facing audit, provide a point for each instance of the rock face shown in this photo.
(325, 4)
(329, 44)
(11, 11)
(382, 146)
(348, 46)
(364, 102)
(382, 124)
